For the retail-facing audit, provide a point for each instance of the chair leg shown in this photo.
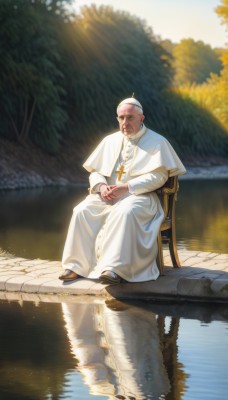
(160, 260)
(173, 249)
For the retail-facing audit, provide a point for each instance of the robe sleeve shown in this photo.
(148, 182)
(95, 179)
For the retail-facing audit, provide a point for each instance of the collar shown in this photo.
(136, 136)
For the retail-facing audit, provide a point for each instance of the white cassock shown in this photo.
(122, 236)
(118, 352)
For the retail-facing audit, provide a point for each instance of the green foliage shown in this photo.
(30, 80)
(192, 128)
(64, 75)
(109, 55)
(212, 96)
(193, 62)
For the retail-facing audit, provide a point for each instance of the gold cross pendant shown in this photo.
(120, 172)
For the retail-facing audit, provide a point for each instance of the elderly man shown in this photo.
(113, 232)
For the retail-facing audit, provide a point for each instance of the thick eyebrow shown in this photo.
(125, 115)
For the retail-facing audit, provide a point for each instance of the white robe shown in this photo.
(122, 236)
(117, 352)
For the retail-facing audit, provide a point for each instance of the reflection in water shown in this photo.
(124, 352)
(34, 354)
(113, 351)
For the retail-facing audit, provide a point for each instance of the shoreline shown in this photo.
(28, 167)
(24, 179)
(206, 172)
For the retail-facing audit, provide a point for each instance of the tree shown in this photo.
(194, 62)
(31, 92)
(63, 74)
(222, 11)
(108, 56)
(213, 95)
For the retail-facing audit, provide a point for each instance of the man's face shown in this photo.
(130, 120)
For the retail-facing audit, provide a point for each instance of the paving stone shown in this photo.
(183, 271)
(52, 275)
(203, 277)
(17, 268)
(54, 272)
(208, 274)
(39, 267)
(15, 284)
(3, 280)
(53, 263)
(24, 262)
(205, 254)
(193, 287)
(189, 253)
(11, 273)
(221, 264)
(33, 285)
(98, 289)
(190, 262)
(56, 286)
(163, 286)
(11, 260)
(222, 257)
(215, 267)
(220, 287)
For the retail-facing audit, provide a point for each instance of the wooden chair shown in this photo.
(167, 233)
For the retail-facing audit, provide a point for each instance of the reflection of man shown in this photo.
(118, 352)
(113, 232)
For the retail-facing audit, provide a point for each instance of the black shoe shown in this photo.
(69, 275)
(110, 278)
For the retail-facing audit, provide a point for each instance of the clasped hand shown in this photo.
(113, 192)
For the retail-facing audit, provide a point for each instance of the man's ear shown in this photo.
(142, 117)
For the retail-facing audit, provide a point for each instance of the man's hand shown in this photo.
(113, 192)
(105, 192)
(118, 191)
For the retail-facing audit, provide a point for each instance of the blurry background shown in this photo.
(66, 64)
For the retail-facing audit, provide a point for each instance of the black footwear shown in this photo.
(69, 275)
(110, 278)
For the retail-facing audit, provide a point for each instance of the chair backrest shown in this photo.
(167, 195)
(167, 233)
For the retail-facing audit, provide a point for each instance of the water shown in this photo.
(84, 351)
(202, 215)
(34, 223)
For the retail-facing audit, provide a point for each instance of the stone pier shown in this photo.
(203, 277)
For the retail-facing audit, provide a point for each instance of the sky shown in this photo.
(174, 19)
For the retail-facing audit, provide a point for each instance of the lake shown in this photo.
(34, 222)
(108, 350)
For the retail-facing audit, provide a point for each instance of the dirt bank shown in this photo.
(28, 166)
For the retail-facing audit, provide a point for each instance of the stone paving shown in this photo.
(203, 277)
